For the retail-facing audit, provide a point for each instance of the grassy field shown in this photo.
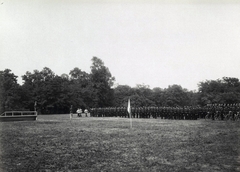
(55, 143)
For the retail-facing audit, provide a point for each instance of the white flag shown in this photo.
(129, 108)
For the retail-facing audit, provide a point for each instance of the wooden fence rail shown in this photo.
(18, 116)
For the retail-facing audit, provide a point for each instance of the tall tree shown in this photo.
(158, 96)
(121, 93)
(143, 95)
(83, 94)
(225, 90)
(10, 97)
(102, 81)
(45, 88)
(176, 96)
(32, 87)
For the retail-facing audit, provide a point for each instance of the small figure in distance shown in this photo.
(86, 112)
(79, 112)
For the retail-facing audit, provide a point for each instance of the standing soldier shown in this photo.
(164, 113)
(221, 112)
(140, 112)
(122, 112)
(99, 112)
(182, 113)
(213, 112)
(148, 112)
(96, 112)
(118, 112)
(133, 113)
(137, 112)
(186, 111)
(190, 114)
(234, 111)
(91, 112)
(161, 112)
(155, 111)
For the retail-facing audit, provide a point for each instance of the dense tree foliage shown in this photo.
(55, 94)
(221, 91)
(102, 81)
(142, 95)
(10, 91)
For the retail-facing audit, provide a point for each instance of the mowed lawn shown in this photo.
(55, 143)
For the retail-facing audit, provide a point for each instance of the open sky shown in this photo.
(156, 43)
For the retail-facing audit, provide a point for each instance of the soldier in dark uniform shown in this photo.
(99, 112)
(137, 112)
(148, 110)
(143, 112)
(122, 112)
(234, 111)
(133, 113)
(140, 112)
(158, 112)
(213, 112)
(183, 113)
(155, 112)
(91, 111)
(164, 112)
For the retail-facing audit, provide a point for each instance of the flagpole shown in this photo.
(71, 109)
(130, 122)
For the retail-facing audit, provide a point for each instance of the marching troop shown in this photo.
(210, 111)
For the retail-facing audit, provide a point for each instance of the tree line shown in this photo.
(55, 94)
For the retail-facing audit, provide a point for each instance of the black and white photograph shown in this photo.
(119, 86)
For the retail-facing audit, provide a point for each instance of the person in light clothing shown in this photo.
(79, 112)
(86, 112)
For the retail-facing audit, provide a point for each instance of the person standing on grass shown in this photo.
(79, 111)
(86, 112)
(35, 106)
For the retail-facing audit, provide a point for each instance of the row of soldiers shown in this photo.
(181, 113)
(147, 112)
(223, 111)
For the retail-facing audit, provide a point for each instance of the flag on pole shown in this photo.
(129, 111)
(129, 108)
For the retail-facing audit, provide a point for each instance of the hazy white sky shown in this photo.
(152, 42)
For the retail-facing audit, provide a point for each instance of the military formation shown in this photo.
(210, 111)
(223, 112)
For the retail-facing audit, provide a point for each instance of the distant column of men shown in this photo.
(210, 111)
